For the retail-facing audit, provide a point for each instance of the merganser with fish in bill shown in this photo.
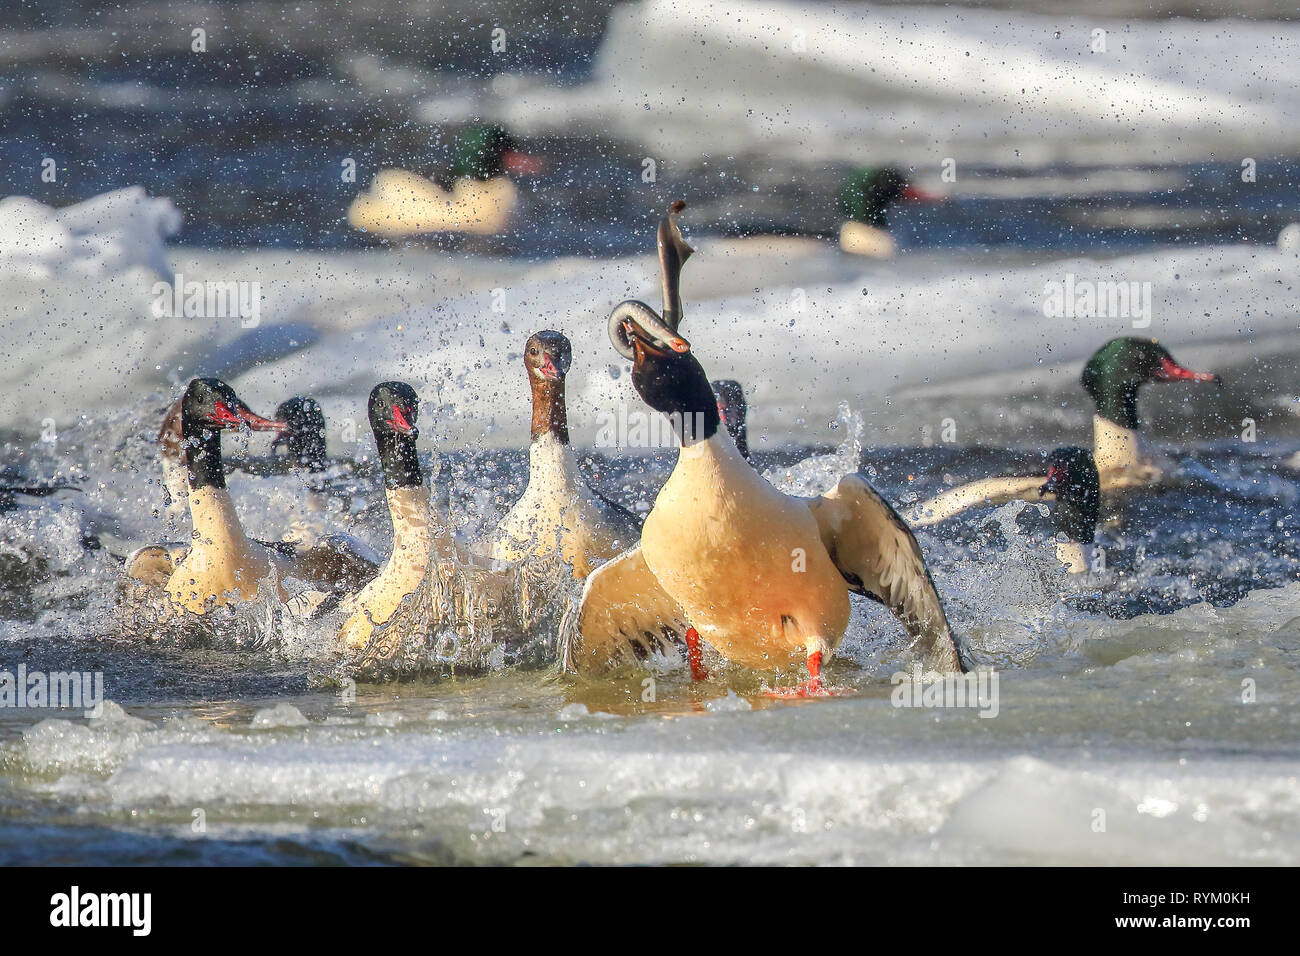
(761, 576)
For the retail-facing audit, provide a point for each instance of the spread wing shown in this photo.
(879, 558)
(987, 491)
(625, 615)
(337, 561)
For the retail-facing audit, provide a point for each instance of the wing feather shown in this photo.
(625, 615)
(879, 557)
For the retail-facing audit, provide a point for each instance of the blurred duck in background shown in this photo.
(865, 198)
(734, 411)
(476, 196)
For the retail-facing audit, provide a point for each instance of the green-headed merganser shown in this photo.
(864, 200)
(734, 411)
(761, 576)
(393, 410)
(221, 563)
(303, 438)
(1112, 378)
(558, 511)
(429, 580)
(477, 198)
(1071, 480)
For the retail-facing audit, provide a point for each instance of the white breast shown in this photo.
(222, 564)
(402, 572)
(559, 512)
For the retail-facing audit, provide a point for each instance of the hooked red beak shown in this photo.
(399, 422)
(520, 164)
(226, 417)
(549, 370)
(1171, 371)
(916, 194)
(1054, 474)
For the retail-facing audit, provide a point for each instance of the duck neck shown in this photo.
(203, 457)
(1114, 446)
(713, 462)
(740, 435)
(550, 414)
(408, 506)
(216, 525)
(398, 458)
(550, 463)
(309, 451)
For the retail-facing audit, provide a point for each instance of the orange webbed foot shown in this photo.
(814, 686)
(694, 656)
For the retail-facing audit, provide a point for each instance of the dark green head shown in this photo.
(485, 150)
(675, 384)
(208, 407)
(866, 194)
(394, 408)
(305, 438)
(1119, 368)
(1072, 478)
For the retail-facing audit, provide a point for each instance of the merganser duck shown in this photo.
(430, 582)
(1071, 480)
(864, 200)
(1112, 378)
(763, 577)
(221, 563)
(479, 198)
(303, 438)
(393, 410)
(558, 511)
(734, 411)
